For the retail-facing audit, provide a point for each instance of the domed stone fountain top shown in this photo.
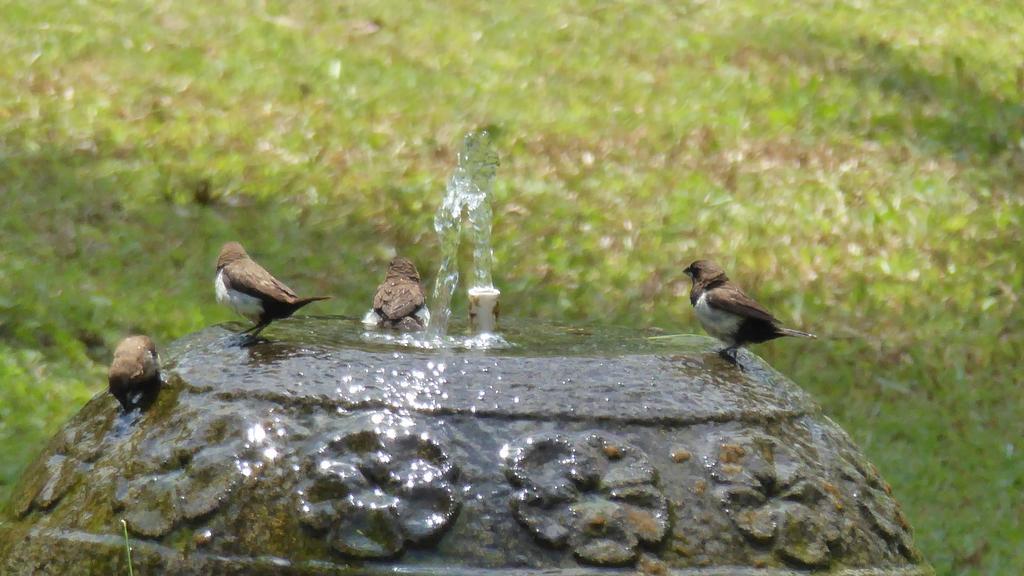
(325, 451)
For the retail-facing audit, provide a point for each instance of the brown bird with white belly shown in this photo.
(248, 289)
(727, 313)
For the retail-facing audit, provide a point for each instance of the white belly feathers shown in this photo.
(718, 323)
(246, 305)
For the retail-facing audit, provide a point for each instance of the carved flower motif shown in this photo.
(192, 477)
(592, 494)
(372, 492)
(771, 503)
(874, 500)
(47, 479)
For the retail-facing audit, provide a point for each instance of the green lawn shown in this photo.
(859, 166)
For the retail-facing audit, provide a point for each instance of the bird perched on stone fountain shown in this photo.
(727, 313)
(399, 301)
(135, 371)
(248, 289)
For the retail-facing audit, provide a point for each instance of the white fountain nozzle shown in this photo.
(483, 309)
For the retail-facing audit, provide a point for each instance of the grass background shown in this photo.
(857, 165)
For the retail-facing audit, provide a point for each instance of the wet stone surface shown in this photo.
(371, 491)
(591, 493)
(324, 450)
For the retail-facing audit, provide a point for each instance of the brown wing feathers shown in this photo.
(731, 299)
(396, 299)
(248, 277)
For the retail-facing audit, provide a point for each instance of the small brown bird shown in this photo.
(136, 368)
(248, 289)
(399, 301)
(727, 313)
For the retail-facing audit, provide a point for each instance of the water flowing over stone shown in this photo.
(579, 451)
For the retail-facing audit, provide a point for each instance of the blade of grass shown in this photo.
(127, 547)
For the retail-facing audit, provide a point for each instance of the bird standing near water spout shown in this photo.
(248, 289)
(727, 313)
(399, 301)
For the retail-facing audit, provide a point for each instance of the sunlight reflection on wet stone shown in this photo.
(374, 489)
(572, 449)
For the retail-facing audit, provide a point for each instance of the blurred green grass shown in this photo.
(856, 165)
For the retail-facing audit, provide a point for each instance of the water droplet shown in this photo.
(256, 434)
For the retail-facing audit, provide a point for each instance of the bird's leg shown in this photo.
(729, 354)
(255, 330)
(252, 335)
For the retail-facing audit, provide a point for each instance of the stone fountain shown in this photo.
(548, 450)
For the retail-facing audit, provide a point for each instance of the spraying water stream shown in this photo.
(467, 200)
(467, 197)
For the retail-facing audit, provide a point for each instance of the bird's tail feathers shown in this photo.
(797, 333)
(309, 299)
(300, 302)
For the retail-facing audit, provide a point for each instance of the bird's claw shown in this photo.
(730, 355)
(249, 339)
